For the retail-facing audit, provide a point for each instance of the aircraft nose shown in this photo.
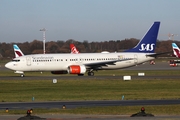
(8, 65)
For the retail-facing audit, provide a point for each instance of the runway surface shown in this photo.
(75, 104)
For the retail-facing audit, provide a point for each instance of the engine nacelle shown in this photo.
(59, 72)
(76, 69)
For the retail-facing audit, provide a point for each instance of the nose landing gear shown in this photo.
(22, 75)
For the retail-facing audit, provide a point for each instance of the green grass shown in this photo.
(45, 90)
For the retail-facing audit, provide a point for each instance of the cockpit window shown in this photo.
(16, 60)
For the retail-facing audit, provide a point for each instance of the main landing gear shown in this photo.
(90, 73)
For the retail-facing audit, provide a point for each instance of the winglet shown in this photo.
(148, 43)
(17, 51)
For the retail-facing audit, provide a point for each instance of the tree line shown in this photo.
(60, 46)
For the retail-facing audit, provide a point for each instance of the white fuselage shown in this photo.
(58, 62)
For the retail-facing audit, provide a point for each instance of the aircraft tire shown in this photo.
(91, 73)
(22, 75)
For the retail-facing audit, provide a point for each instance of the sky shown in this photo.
(90, 20)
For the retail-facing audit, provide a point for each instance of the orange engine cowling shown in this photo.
(76, 69)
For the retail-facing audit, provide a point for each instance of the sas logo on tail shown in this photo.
(147, 47)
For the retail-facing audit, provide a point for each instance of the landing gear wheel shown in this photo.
(22, 75)
(91, 73)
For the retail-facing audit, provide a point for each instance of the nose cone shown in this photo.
(8, 65)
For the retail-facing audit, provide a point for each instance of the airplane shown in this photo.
(17, 51)
(88, 62)
(176, 50)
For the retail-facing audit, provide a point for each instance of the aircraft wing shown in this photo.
(104, 63)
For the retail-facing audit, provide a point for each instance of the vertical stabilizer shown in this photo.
(176, 50)
(17, 51)
(148, 43)
(73, 49)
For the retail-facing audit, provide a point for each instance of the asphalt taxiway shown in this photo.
(76, 104)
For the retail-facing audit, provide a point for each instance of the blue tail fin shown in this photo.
(148, 43)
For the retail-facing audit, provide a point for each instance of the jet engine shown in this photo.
(76, 69)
